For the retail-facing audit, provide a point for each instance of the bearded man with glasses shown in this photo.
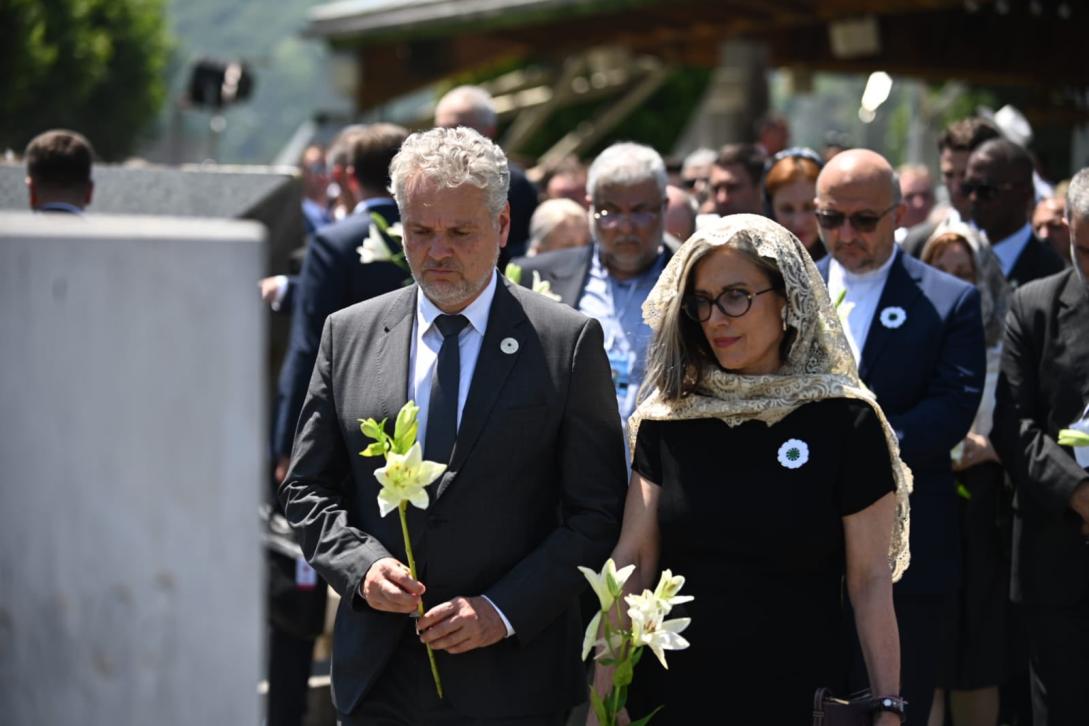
(917, 336)
(610, 279)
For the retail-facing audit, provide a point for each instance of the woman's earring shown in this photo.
(783, 314)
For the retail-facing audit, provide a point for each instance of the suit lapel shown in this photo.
(493, 365)
(901, 290)
(391, 355)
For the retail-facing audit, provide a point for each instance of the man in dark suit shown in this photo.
(333, 275)
(609, 280)
(58, 172)
(514, 397)
(1044, 387)
(998, 185)
(473, 107)
(917, 336)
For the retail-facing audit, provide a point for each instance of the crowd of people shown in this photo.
(830, 402)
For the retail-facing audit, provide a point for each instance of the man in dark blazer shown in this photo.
(1043, 388)
(998, 185)
(333, 276)
(515, 399)
(917, 336)
(610, 279)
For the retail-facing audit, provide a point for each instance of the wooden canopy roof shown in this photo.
(403, 45)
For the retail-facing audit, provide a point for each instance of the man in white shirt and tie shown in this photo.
(515, 397)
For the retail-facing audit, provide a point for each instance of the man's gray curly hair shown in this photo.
(450, 158)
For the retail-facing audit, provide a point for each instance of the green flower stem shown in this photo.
(419, 607)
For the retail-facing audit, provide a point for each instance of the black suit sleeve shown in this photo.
(942, 417)
(322, 284)
(313, 494)
(590, 465)
(1042, 470)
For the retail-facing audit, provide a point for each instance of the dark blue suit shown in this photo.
(928, 376)
(332, 278)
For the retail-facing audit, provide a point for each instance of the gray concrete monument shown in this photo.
(131, 467)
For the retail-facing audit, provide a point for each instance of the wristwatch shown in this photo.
(893, 704)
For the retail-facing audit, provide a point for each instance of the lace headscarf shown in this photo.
(994, 290)
(818, 365)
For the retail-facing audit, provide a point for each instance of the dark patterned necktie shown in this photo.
(442, 409)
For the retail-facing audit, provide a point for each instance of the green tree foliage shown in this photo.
(94, 66)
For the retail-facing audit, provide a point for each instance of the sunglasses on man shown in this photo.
(983, 191)
(860, 221)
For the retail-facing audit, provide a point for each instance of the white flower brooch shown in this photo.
(893, 317)
(793, 453)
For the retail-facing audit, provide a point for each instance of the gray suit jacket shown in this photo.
(535, 487)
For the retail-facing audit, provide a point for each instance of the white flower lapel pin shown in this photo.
(508, 346)
(793, 453)
(893, 317)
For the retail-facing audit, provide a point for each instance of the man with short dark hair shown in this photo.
(58, 172)
(334, 275)
(955, 145)
(998, 186)
(735, 180)
(1042, 389)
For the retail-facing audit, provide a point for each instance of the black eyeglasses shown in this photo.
(984, 192)
(732, 303)
(860, 221)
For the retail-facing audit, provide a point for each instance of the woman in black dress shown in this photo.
(767, 476)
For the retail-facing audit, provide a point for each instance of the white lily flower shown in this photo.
(404, 477)
(666, 637)
(648, 628)
(609, 583)
(544, 287)
(374, 248)
(668, 587)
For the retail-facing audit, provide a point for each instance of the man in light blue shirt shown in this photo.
(609, 280)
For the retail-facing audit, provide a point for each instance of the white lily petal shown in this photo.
(590, 637)
(429, 471)
(386, 502)
(600, 588)
(419, 499)
(623, 574)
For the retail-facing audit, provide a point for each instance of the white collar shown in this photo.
(477, 311)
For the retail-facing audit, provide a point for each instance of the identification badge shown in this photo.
(306, 577)
(621, 364)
